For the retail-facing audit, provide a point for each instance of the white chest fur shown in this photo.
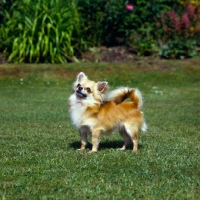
(77, 110)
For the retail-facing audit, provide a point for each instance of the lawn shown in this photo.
(38, 156)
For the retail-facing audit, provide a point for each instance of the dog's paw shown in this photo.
(80, 149)
(121, 149)
(92, 151)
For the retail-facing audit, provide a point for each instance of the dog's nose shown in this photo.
(80, 88)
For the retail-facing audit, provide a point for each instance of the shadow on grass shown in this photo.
(105, 145)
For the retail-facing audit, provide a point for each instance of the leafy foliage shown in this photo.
(179, 48)
(40, 31)
(181, 30)
(58, 31)
(110, 23)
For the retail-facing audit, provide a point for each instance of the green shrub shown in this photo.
(181, 29)
(5, 42)
(4, 5)
(179, 48)
(118, 22)
(146, 46)
(55, 31)
(40, 31)
(91, 17)
(147, 33)
(106, 22)
(110, 23)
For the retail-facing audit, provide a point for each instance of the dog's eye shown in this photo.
(78, 85)
(88, 89)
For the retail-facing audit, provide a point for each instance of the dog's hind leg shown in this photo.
(127, 139)
(135, 140)
(133, 132)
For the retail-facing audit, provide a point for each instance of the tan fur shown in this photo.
(91, 114)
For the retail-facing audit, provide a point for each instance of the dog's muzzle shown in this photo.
(80, 92)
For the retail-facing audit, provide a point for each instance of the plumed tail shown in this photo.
(122, 93)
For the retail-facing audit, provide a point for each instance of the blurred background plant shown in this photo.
(118, 22)
(61, 30)
(39, 31)
(181, 31)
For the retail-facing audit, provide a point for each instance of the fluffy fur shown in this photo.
(91, 114)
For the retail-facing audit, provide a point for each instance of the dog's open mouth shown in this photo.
(80, 94)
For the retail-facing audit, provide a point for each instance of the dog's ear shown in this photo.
(102, 86)
(80, 76)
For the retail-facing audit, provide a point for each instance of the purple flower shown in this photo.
(191, 10)
(185, 20)
(129, 7)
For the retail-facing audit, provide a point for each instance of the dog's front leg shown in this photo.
(83, 135)
(95, 141)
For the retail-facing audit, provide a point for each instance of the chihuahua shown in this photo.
(96, 112)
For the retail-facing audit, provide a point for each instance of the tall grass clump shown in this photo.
(40, 31)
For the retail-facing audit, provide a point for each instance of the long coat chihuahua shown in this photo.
(92, 114)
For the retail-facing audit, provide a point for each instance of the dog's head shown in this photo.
(89, 90)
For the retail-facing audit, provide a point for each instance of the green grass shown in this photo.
(38, 156)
